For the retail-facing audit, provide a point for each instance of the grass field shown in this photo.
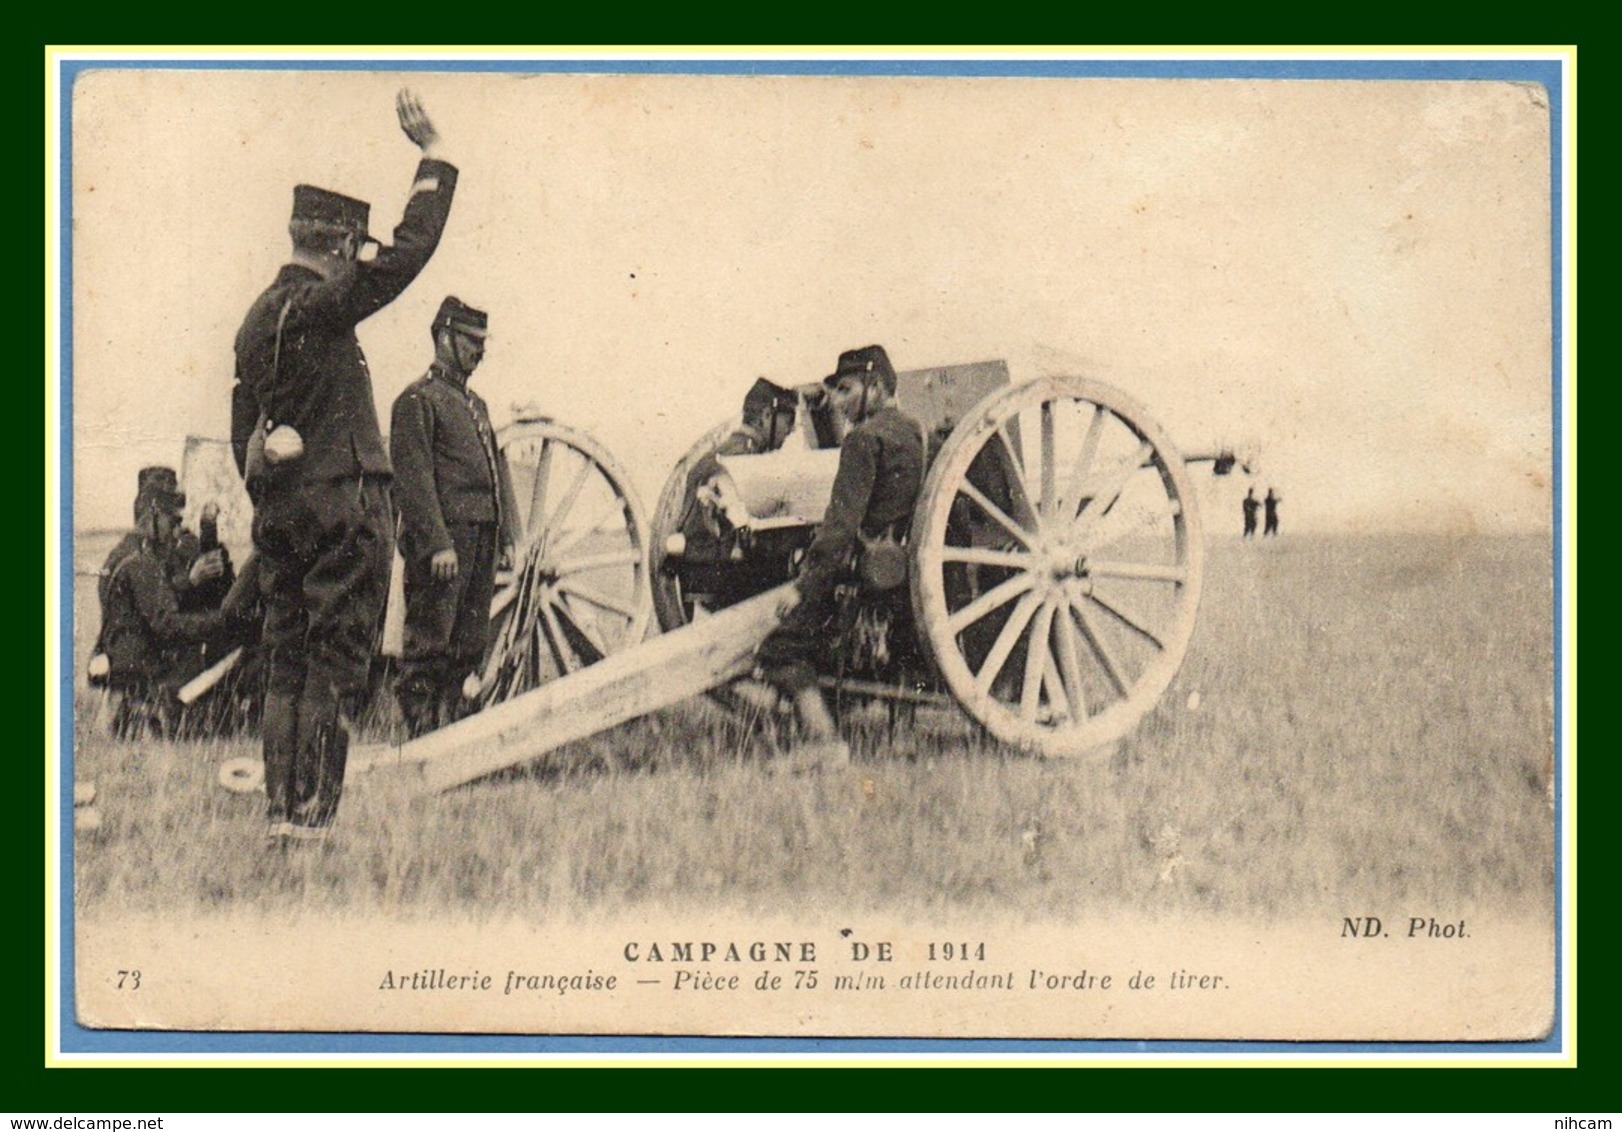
(1372, 721)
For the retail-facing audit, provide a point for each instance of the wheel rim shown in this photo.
(579, 588)
(1058, 564)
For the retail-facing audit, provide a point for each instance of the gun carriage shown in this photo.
(1053, 574)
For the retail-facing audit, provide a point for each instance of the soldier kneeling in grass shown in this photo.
(148, 645)
(881, 469)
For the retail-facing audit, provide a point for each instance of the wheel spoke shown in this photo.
(502, 598)
(997, 513)
(569, 497)
(986, 556)
(568, 619)
(598, 562)
(1123, 619)
(1140, 571)
(615, 509)
(555, 638)
(592, 597)
(1122, 522)
(1036, 663)
(1053, 687)
(537, 497)
(1003, 647)
(1106, 487)
(1070, 666)
(1100, 650)
(1073, 494)
(1014, 474)
(1049, 505)
(992, 599)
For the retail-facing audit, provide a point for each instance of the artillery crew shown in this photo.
(148, 645)
(456, 519)
(319, 476)
(769, 414)
(881, 469)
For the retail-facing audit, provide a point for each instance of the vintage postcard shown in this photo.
(1065, 554)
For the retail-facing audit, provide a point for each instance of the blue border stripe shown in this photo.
(80, 1040)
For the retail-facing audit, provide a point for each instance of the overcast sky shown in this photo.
(1351, 277)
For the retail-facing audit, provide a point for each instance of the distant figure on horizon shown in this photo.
(1270, 522)
(1251, 505)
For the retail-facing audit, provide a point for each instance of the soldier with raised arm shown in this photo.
(319, 476)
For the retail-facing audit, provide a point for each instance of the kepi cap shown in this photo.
(866, 361)
(458, 316)
(158, 487)
(314, 205)
(767, 396)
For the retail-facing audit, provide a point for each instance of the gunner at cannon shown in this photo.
(881, 468)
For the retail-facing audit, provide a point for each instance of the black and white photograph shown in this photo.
(1039, 552)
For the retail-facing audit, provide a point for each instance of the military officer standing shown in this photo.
(881, 471)
(456, 519)
(319, 477)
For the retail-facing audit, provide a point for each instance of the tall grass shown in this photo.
(1372, 720)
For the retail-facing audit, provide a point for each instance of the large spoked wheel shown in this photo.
(579, 586)
(1057, 564)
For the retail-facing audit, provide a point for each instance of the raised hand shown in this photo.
(414, 120)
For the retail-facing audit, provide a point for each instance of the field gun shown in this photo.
(1055, 567)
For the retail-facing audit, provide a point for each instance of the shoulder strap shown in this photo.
(276, 363)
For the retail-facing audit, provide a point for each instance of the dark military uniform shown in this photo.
(762, 403)
(150, 645)
(881, 471)
(453, 493)
(1250, 505)
(323, 521)
(1270, 519)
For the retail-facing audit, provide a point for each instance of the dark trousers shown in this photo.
(447, 628)
(325, 548)
(789, 656)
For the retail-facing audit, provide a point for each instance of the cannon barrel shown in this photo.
(658, 673)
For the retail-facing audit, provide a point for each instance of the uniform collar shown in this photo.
(443, 373)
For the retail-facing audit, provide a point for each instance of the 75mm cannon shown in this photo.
(1054, 576)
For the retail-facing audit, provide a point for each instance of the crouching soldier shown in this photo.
(148, 646)
(769, 414)
(456, 514)
(881, 468)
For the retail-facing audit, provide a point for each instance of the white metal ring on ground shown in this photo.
(1057, 564)
(242, 775)
(579, 588)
